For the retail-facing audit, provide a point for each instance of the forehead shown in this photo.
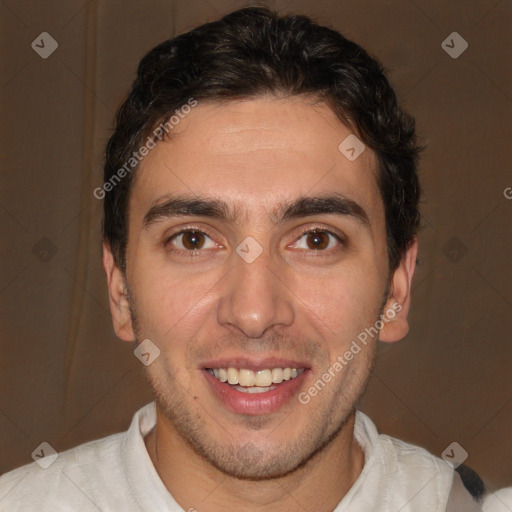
(255, 154)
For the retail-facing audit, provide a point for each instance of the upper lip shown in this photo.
(253, 364)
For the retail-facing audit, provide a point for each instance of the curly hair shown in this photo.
(253, 52)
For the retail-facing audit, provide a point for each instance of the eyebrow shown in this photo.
(183, 206)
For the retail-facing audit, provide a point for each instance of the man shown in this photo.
(261, 211)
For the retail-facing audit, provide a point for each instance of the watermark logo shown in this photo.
(454, 454)
(454, 45)
(44, 455)
(44, 45)
(146, 352)
(454, 249)
(44, 250)
(249, 249)
(351, 148)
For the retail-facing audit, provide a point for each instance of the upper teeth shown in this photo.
(261, 378)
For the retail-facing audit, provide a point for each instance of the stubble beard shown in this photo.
(247, 461)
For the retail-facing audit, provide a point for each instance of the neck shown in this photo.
(320, 484)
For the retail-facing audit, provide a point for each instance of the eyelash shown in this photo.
(195, 253)
(311, 231)
(192, 254)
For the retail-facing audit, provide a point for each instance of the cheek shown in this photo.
(341, 305)
(172, 304)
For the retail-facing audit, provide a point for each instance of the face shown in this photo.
(257, 253)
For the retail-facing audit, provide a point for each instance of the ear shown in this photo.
(397, 305)
(118, 297)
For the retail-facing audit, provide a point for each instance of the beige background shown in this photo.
(65, 378)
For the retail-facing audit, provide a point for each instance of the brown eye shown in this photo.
(317, 240)
(192, 240)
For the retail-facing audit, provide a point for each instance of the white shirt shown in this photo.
(116, 474)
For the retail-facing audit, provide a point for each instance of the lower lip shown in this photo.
(255, 403)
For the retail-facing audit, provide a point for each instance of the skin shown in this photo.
(292, 301)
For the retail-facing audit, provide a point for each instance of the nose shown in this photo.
(253, 298)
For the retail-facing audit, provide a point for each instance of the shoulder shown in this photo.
(397, 455)
(404, 476)
(418, 479)
(75, 476)
(404, 456)
(91, 477)
(498, 501)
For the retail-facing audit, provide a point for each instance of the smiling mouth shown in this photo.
(249, 381)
